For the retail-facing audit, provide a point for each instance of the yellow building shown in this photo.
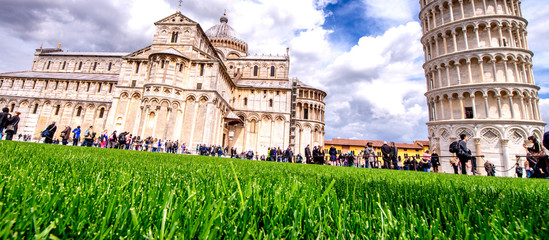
(405, 150)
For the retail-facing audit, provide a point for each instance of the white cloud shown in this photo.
(371, 94)
(391, 10)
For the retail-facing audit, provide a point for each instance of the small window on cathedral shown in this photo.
(134, 83)
(66, 86)
(35, 109)
(137, 66)
(77, 86)
(88, 87)
(202, 69)
(79, 111)
(264, 91)
(469, 113)
(272, 71)
(270, 103)
(101, 112)
(2, 83)
(174, 37)
(95, 66)
(277, 92)
(256, 71)
(80, 66)
(64, 64)
(245, 101)
(252, 91)
(56, 84)
(23, 85)
(110, 88)
(12, 107)
(57, 109)
(110, 66)
(49, 63)
(99, 87)
(199, 86)
(180, 67)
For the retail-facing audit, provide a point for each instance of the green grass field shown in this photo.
(50, 192)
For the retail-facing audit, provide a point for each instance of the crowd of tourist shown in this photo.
(535, 165)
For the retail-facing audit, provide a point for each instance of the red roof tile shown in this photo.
(362, 143)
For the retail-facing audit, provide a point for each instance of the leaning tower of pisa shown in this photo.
(479, 79)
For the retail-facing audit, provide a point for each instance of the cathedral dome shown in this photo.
(223, 35)
(222, 30)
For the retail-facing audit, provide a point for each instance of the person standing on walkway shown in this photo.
(518, 170)
(12, 126)
(387, 151)
(308, 154)
(394, 156)
(49, 132)
(435, 161)
(333, 154)
(76, 136)
(490, 168)
(463, 153)
(88, 137)
(369, 155)
(4, 117)
(65, 135)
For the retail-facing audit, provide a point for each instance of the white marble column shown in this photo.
(464, 29)
(462, 10)
(505, 67)
(477, 36)
(473, 7)
(494, 70)
(481, 63)
(469, 71)
(461, 107)
(448, 75)
(445, 43)
(489, 30)
(511, 106)
(498, 97)
(455, 41)
(458, 72)
(486, 106)
(451, 108)
(474, 106)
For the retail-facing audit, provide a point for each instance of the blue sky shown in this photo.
(364, 53)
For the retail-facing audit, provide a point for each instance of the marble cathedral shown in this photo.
(195, 86)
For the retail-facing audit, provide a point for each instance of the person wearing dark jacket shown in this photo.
(4, 117)
(65, 135)
(12, 125)
(463, 153)
(534, 158)
(386, 152)
(51, 131)
(333, 154)
(394, 156)
(435, 160)
(350, 160)
(308, 155)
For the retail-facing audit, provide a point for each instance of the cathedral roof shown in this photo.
(223, 31)
(65, 76)
(264, 84)
(96, 54)
(171, 51)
